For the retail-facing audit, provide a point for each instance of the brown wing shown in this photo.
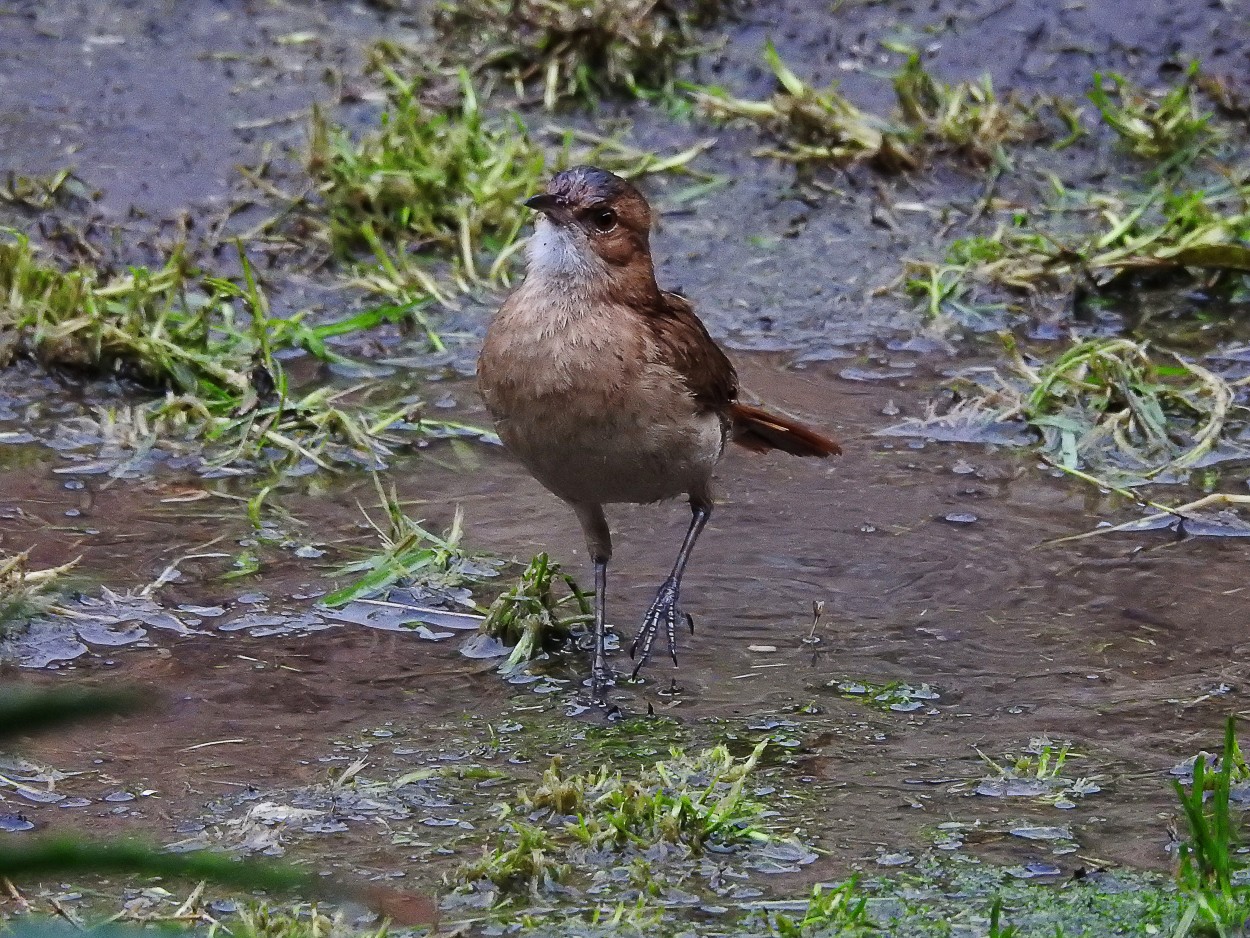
(694, 354)
(710, 376)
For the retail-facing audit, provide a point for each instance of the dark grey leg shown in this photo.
(665, 608)
(600, 674)
(599, 546)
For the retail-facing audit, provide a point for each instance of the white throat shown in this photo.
(562, 258)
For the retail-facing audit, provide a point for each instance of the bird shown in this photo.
(608, 389)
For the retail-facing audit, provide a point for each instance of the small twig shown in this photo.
(23, 905)
(65, 913)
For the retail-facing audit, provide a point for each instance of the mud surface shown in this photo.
(928, 558)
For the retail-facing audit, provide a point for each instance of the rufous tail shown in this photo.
(760, 431)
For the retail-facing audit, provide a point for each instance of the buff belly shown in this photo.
(618, 457)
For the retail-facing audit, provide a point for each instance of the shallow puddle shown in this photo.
(949, 643)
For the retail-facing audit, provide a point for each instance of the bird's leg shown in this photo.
(599, 546)
(665, 608)
(600, 675)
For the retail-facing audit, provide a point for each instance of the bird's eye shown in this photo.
(603, 220)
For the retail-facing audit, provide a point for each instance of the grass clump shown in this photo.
(830, 911)
(580, 49)
(409, 552)
(810, 124)
(25, 593)
(1170, 232)
(1211, 872)
(1112, 408)
(1108, 403)
(441, 184)
(646, 825)
(444, 181)
(522, 864)
(967, 117)
(1169, 128)
(210, 343)
(529, 616)
(689, 800)
(39, 193)
(265, 921)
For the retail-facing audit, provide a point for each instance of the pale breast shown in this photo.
(583, 403)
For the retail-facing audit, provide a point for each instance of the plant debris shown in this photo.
(810, 124)
(26, 593)
(1111, 407)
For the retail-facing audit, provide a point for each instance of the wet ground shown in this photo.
(929, 558)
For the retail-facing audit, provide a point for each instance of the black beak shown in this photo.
(543, 203)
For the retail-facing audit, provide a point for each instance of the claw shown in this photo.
(664, 610)
(690, 622)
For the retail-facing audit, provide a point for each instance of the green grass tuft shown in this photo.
(437, 186)
(1168, 128)
(529, 616)
(25, 593)
(1211, 867)
(579, 49)
(830, 911)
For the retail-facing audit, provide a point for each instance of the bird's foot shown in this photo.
(664, 610)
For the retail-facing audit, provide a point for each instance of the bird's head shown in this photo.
(592, 223)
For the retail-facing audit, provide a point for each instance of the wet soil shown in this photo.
(929, 559)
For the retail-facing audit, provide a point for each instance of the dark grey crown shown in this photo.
(581, 185)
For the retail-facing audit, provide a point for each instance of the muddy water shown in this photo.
(1097, 643)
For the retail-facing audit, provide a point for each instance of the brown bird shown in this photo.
(608, 389)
